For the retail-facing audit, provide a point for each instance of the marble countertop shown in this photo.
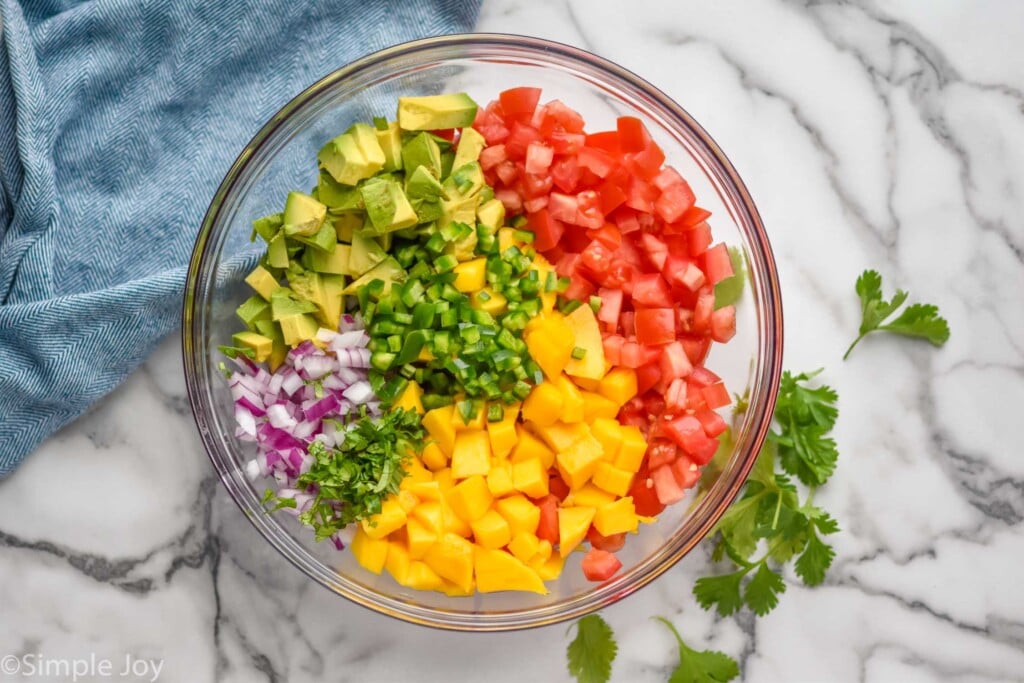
(886, 135)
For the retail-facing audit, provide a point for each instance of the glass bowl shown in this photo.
(281, 158)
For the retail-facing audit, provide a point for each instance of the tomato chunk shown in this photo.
(609, 544)
(547, 529)
(599, 565)
(655, 326)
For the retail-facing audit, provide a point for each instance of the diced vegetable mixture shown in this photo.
(477, 345)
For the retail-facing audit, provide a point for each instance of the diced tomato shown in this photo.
(716, 395)
(510, 199)
(650, 289)
(611, 305)
(538, 158)
(702, 312)
(491, 156)
(566, 143)
(645, 496)
(519, 100)
(703, 377)
(660, 452)
(675, 395)
(507, 172)
(681, 271)
(567, 118)
(674, 362)
(655, 249)
(597, 258)
(641, 195)
(717, 264)
(612, 196)
(713, 423)
(628, 323)
(699, 239)
(445, 134)
(620, 275)
(557, 487)
(546, 229)
(588, 213)
(633, 135)
(648, 375)
(607, 140)
(686, 472)
(613, 348)
(666, 178)
(579, 288)
(689, 434)
(626, 219)
(597, 161)
(694, 216)
(535, 204)
(536, 185)
(666, 487)
(648, 162)
(519, 139)
(696, 349)
(599, 565)
(723, 324)
(655, 326)
(674, 201)
(632, 355)
(563, 207)
(547, 529)
(609, 544)
(608, 235)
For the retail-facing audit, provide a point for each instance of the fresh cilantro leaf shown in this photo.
(235, 351)
(807, 454)
(815, 560)
(592, 651)
(700, 666)
(722, 592)
(802, 404)
(921, 321)
(804, 416)
(762, 592)
(729, 290)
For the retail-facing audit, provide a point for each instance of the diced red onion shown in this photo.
(279, 417)
(322, 407)
(255, 409)
(359, 393)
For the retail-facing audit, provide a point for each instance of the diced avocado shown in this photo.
(436, 112)
(253, 310)
(348, 223)
(390, 140)
(422, 184)
(385, 240)
(459, 210)
(471, 143)
(278, 352)
(268, 328)
(257, 342)
(267, 226)
(465, 180)
(365, 254)
(368, 144)
(263, 282)
(427, 210)
(334, 303)
(336, 196)
(387, 207)
(277, 251)
(447, 162)
(342, 158)
(335, 262)
(298, 328)
(422, 150)
(388, 270)
(491, 214)
(284, 304)
(306, 285)
(324, 239)
(303, 215)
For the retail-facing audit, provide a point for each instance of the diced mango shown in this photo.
(370, 553)
(596, 406)
(503, 437)
(619, 385)
(420, 536)
(520, 513)
(410, 398)
(544, 549)
(590, 495)
(431, 514)
(491, 530)
(612, 479)
(476, 421)
(631, 450)
(529, 447)
(609, 432)
(560, 436)
(433, 457)
(397, 562)
(471, 453)
(452, 558)
(416, 472)
(507, 238)
(573, 523)
(550, 343)
(530, 477)
(524, 546)
(493, 302)
(577, 463)
(407, 500)
(422, 577)
(452, 521)
(498, 570)
(390, 518)
(587, 336)
(544, 404)
(586, 384)
(444, 479)
(438, 423)
(471, 275)
(617, 517)
(549, 569)
(572, 400)
(425, 355)
(453, 591)
(499, 479)
(470, 498)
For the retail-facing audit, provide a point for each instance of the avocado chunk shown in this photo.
(253, 310)
(388, 271)
(278, 351)
(366, 140)
(261, 345)
(436, 112)
(298, 328)
(346, 224)
(465, 180)
(390, 140)
(423, 151)
(335, 262)
(458, 210)
(387, 207)
(336, 196)
(342, 158)
(267, 226)
(263, 282)
(334, 303)
(491, 214)
(306, 285)
(365, 254)
(303, 215)
(425, 193)
(284, 303)
(471, 143)
(324, 239)
(277, 251)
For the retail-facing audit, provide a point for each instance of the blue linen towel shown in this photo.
(118, 118)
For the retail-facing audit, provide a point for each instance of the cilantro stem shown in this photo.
(855, 341)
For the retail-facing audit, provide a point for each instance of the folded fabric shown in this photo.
(118, 119)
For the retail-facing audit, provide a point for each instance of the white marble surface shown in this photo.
(887, 134)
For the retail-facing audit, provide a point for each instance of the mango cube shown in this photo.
(544, 549)
(390, 518)
(444, 479)
(476, 421)
(410, 399)
(497, 570)
(452, 521)
(471, 275)
(617, 517)
(549, 569)
(544, 404)
(471, 454)
(530, 477)
(596, 406)
(524, 546)
(530, 447)
(431, 514)
(573, 524)
(420, 536)
(491, 530)
(370, 553)
(612, 479)
(452, 558)
(590, 495)
(407, 500)
(609, 432)
(423, 578)
(438, 423)
(503, 437)
(572, 400)
(631, 450)
(499, 479)
(578, 463)
(470, 499)
(397, 562)
(619, 385)
(424, 490)
(550, 342)
(560, 436)
(433, 457)
(520, 513)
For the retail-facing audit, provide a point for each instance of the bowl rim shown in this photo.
(771, 315)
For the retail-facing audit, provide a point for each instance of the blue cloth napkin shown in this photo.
(118, 118)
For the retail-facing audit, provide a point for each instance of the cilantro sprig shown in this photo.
(352, 480)
(921, 321)
(592, 651)
(700, 666)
